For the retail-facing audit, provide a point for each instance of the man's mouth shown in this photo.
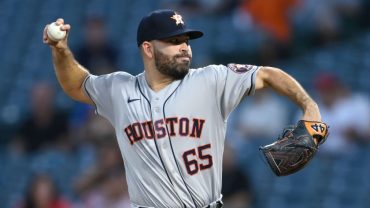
(184, 58)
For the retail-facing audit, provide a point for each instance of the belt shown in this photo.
(218, 204)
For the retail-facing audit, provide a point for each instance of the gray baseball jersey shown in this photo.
(172, 141)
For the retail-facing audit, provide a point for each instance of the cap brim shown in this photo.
(193, 34)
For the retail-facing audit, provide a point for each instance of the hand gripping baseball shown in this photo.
(295, 147)
(48, 39)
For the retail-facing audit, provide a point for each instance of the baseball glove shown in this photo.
(295, 147)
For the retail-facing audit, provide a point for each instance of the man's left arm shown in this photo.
(285, 84)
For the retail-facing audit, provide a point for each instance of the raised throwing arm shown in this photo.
(284, 84)
(69, 72)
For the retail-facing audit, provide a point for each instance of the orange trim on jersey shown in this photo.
(192, 162)
(159, 129)
(205, 157)
(197, 129)
(148, 129)
(171, 121)
(181, 127)
(197, 161)
(130, 133)
(138, 132)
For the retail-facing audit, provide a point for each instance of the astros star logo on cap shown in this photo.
(178, 19)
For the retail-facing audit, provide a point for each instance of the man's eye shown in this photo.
(178, 41)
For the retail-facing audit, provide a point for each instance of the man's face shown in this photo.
(173, 56)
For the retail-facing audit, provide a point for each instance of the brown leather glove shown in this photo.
(295, 147)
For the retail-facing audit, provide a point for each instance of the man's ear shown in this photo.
(147, 49)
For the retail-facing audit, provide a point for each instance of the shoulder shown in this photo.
(113, 77)
(207, 70)
(221, 72)
(109, 81)
(223, 69)
(121, 75)
(206, 76)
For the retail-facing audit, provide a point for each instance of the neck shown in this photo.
(156, 80)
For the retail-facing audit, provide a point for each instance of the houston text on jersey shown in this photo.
(175, 126)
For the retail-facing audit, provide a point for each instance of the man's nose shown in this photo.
(184, 46)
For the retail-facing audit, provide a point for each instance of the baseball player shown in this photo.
(170, 120)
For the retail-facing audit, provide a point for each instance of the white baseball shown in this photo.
(55, 33)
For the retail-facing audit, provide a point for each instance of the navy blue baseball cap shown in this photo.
(162, 24)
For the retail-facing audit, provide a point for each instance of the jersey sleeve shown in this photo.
(99, 89)
(233, 82)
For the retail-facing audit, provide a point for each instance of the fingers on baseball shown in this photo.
(60, 21)
(66, 27)
(44, 35)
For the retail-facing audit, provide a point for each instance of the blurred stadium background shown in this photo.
(323, 44)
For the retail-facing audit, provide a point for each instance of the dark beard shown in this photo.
(170, 66)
